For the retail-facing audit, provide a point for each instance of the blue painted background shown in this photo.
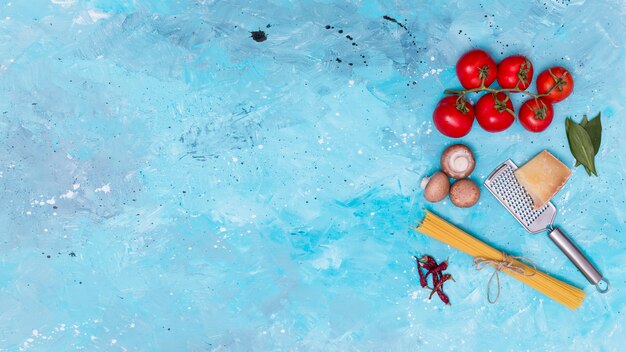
(167, 183)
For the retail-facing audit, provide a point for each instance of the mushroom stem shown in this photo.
(457, 161)
(436, 187)
(460, 162)
(424, 182)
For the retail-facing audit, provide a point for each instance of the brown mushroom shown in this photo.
(457, 161)
(464, 193)
(436, 187)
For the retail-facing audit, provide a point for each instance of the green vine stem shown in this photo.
(492, 90)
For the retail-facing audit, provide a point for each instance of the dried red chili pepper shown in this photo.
(438, 269)
(430, 265)
(439, 285)
(428, 262)
(443, 297)
(443, 266)
(423, 281)
(435, 282)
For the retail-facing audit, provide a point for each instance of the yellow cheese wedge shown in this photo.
(542, 177)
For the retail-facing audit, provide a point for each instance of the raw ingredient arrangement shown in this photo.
(526, 191)
(338, 175)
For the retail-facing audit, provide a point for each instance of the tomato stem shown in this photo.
(559, 82)
(463, 92)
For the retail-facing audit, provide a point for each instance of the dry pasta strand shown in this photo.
(437, 228)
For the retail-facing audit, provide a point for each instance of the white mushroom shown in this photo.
(457, 161)
(436, 187)
(464, 193)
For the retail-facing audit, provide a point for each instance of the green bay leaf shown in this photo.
(581, 147)
(584, 121)
(568, 123)
(594, 130)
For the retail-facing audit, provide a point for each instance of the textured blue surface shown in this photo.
(167, 183)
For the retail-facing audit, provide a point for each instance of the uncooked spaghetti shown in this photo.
(441, 230)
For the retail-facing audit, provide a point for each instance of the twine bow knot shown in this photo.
(507, 263)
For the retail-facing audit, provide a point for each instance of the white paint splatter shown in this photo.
(64, 3)
(90, 17)
(331, 257)
(68, 195)
(97, 15)
(104, 189)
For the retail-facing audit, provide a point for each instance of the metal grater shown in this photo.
(504, 186)
(507, 190)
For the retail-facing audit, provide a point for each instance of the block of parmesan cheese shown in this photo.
(542, 177)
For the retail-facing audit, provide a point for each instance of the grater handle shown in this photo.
(578, 258)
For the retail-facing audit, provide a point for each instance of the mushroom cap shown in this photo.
(464, 193)
(457, 161)
(437, 187)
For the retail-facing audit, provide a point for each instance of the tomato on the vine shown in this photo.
(453, 116)
(494, 112)
(515, 72)
(557, 82)
(536, 115)
(476, 68)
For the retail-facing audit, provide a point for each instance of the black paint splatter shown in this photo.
(391, 19)
(259, 36)
(351, 39)
(395, 21)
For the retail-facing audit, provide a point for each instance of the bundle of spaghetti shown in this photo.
(441, 230)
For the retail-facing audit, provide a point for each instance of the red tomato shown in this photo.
(453, 116)
(494, 113)
(473, 67)
(536, 114)
(556, 82)
(515, 72)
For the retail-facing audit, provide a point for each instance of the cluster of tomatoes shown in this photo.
(477, 71)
